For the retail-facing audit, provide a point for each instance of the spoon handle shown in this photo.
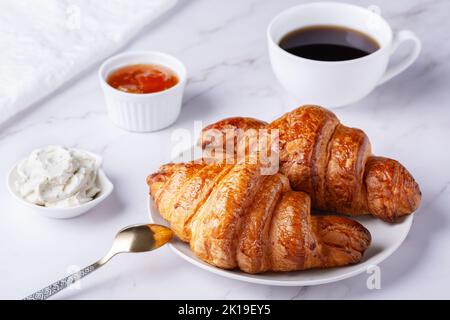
(57, 286)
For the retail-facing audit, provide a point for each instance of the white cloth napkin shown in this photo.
(45, 43)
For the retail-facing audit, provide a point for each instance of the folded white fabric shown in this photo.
(47, 42)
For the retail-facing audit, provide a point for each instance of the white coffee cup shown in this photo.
(336, 83)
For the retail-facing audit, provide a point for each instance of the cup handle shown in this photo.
(401, 37)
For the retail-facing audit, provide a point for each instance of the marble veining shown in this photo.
(223, 45)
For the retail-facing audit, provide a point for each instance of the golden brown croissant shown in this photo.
(333, 164)
(235, 217)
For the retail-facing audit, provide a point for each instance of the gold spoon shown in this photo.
(135, 238)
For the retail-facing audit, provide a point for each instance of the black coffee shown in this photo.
(328, 43)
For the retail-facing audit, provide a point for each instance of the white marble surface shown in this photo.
(223, 46)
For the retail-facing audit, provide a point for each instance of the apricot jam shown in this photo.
(142, 78)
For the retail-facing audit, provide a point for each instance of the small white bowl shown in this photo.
(148, 111)
(105, 185)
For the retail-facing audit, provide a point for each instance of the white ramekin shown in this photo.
(143, 112)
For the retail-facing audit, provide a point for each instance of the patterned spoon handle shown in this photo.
(57, 286)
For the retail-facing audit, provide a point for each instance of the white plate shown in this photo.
(386, 238)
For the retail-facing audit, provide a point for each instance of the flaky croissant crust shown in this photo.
(333, 164)
(235, 217)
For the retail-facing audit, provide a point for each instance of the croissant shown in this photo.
(235, 217)
(332, 163)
